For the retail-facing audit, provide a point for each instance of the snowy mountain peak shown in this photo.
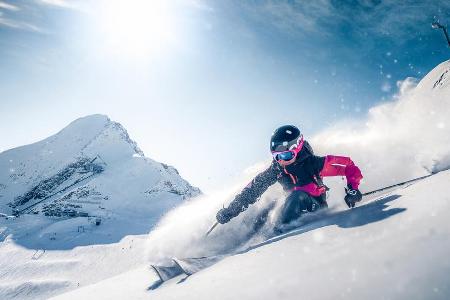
(90, 168)
(95, 131)
(87, 124)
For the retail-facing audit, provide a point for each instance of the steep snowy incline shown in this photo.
(394, 247)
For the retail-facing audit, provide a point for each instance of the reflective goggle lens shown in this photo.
(287, 155)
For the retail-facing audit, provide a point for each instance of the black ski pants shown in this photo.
(298, 203)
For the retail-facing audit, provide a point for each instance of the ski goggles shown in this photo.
(289, 154)
(284, 155)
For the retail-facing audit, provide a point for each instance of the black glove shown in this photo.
(352, 196)
(223, 216)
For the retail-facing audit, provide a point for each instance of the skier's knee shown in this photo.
(294, 205)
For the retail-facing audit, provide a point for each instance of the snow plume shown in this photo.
(181, 233)
(399, 140)
(404, 138)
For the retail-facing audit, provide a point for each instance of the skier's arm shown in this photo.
(249, 195)
(342, 166)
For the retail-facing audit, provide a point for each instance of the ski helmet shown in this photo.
(285, 138)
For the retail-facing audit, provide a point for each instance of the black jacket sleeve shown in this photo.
(253, 191)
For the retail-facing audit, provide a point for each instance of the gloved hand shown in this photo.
(353, 196)
(223, 216)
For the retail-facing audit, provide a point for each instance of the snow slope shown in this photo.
(393, 247)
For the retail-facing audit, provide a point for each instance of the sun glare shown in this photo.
(137, 27)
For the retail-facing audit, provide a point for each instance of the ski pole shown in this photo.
(398, 184)
(212, 228)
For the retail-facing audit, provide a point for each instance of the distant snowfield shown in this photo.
(35, 274)
(394, 247)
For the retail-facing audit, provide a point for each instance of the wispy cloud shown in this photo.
(19, 25)
(8, 6)
(17, 17)
(388, 17)
(59, 3)
(27, 16)
(290, 16)
(396, 18)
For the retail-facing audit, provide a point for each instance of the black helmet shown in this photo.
(284, 138)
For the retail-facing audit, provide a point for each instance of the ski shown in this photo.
(193, 265)
(166, 272)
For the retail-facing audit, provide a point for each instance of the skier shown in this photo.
(300, 173)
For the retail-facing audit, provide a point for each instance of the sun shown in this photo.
(137, 27)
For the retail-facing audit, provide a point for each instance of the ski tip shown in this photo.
(154, 268)
(155, 285)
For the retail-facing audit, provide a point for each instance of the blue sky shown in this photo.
(202, 84)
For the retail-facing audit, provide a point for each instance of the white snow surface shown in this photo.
(395, 246)
(392, 246)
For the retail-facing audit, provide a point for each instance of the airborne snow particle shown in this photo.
(386, 87)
